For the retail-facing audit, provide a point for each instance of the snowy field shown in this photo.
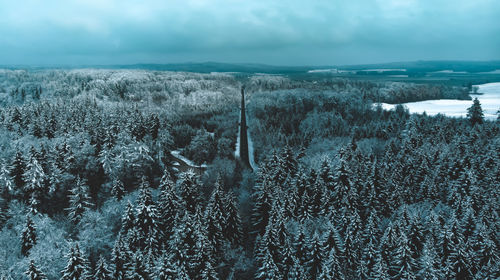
(490, 102)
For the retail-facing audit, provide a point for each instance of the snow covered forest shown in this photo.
(90, 187)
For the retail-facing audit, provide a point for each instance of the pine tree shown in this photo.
(167, 270)
(315, 257)
(120, 256)
(128, 220)
(168, 206)
(102, 271)
(189, 190)
(403, 266)
(268, 270)
(28, 236)
(215, 218)
(79, 201)
(147, 219)
(296, 271)
(77, 267)
(429, 265)
(138, 269)
(34, 273)
(34, 176)
(118, 190)
(18, 169)
(262, 197)
(331, 268)
(475, 113)
(232, 227)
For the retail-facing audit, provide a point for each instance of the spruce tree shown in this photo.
(475, 113)
(215, 218)
(189, 190)
(138, 269)
(117, 189)
(232, 227)
(77, 267)
(28, 236)
(168, 206)
(79, 201)
(147, 220)
(34, 176)
(34, 273)
(18, 169)
(102, 271)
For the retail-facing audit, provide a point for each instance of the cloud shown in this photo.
(272, 31)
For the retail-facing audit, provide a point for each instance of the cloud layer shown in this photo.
(276, 32)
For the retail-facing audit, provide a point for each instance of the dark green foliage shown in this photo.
(77, 267)
(34, 273)
(475, 113)
(28, 236)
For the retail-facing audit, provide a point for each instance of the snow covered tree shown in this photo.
(138, 269)
(120, 256)
(117, 189)
(28, 236)
(18, 169)
(168, 207)
(429, 264)
(147, 220)
(403, 266)
(189, 190)
(215, 218)
(77, 267)
(232, 227)
(475, 113)
(331, 267)
(102, 271)
(34, 273)
(34, 176)
(79, 201)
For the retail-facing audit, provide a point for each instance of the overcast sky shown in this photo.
(280, 32)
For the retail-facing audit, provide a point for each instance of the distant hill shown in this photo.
(411, 67)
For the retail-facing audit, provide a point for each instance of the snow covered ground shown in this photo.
(490, 102)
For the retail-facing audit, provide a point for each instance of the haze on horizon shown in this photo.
(322, 32)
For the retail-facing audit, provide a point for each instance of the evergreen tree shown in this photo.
(189, 190)
(475, 113)
(138, 269)
(77, 267)
(215, 218)
(232, 227)
(168, 206)
(18, 169)
(429, 265)
(28, 236)
(331, 268)
(403, 266)
(315, 257)
(102, 271)
(128, 220)
(147, 220)
(34, 273)
(34, 176)
(120, 256)
(118, 190)
(79, 201)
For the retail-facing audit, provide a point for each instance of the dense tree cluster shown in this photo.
(89, 188)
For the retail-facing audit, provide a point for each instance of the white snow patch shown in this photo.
(490, 103)
(178, 155)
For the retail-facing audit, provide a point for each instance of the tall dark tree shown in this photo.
(34, 273)
(79, 201)
(77, 267)
(475, 113)
(102, 272)
(28, 236)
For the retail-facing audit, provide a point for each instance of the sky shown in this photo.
(278, 32)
